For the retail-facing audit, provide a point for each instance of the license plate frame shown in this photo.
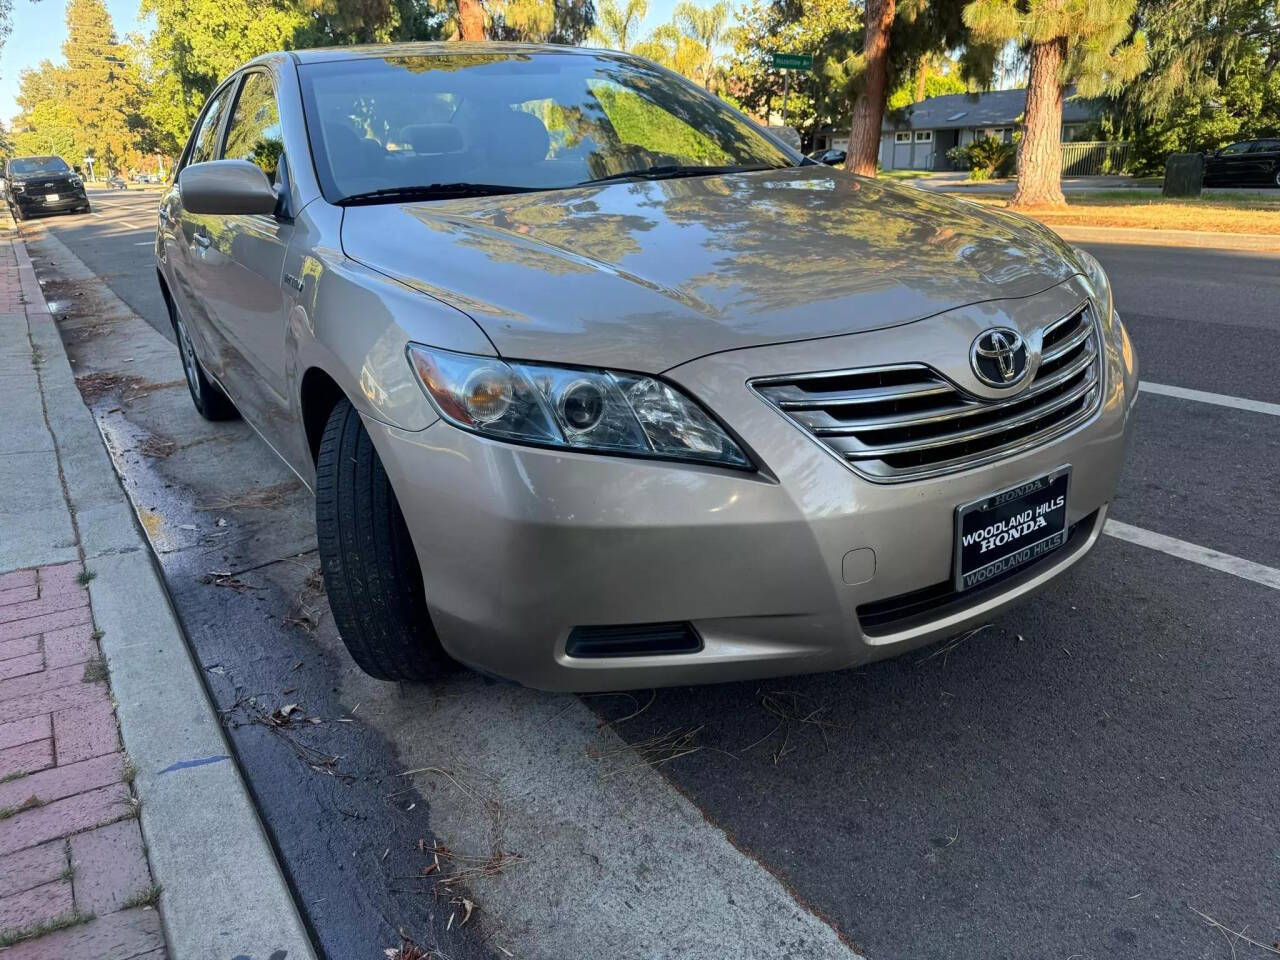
(1044, 497)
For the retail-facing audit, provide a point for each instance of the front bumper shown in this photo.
(519, 545)
(30, 204)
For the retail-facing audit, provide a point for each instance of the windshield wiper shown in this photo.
(669, 171)
(433, 191)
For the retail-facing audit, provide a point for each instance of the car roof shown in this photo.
(447, 48)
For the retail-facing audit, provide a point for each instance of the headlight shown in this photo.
(1098, 282)
(77, 182)
(18, 186)
(585, 409)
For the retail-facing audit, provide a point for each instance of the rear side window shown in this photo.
(1266, 146)
(254, 131)
(205, 141)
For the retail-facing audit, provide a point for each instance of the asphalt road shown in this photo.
(1083, 778)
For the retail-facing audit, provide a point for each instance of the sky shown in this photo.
(39, 28)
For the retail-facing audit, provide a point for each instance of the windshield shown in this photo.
(392, 126)
(39, 165)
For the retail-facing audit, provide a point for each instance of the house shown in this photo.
(919, 136)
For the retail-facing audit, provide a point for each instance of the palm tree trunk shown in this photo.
(868, 108)
(1040, 153)
(470, 20)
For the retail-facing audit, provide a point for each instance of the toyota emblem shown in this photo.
(999, 357)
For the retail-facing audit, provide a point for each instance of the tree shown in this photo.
(935, 76)
(706, 28)
(898, 35)
(829, 29)
(91, 105)
(1088, 42)
(1211, 79)
(690, 43)
(616, 25)
(870, 95)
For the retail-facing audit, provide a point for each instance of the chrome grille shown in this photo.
(907, 421)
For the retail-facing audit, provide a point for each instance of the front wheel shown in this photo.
(207, 396)
(371, 571)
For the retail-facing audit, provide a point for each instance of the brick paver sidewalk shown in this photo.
(74, 881)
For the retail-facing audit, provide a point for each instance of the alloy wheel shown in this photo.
(189, 368)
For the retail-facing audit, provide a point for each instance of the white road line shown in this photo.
(1225, 562)
(1220, 399)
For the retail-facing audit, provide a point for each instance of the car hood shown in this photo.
(648, 275)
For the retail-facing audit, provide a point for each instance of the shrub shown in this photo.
(985, 158)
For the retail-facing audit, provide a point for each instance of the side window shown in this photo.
(1236, 149)
(254, 131)
(202, 146)
(1266, 146)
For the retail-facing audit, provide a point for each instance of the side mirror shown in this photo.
(226, 187)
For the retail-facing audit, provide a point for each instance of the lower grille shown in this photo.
(633, 640)
(907, 422)
(930, 603)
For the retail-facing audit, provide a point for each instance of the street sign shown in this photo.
(793, 61)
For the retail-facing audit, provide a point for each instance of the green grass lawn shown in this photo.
(1218, 213)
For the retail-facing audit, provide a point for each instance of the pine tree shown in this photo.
(898, 35)
(89, 106)
(1087, 42)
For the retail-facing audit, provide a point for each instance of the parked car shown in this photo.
(579, 403)
(43, 185)
(1250, 163)
(117, 183)
(833, 158)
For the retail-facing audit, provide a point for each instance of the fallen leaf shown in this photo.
(467, 906)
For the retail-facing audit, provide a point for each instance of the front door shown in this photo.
(187, 238)
(251, 307)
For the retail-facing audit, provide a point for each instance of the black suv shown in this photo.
(43, 185)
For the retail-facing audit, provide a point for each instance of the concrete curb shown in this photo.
(224, 894)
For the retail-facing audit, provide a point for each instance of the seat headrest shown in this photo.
(519, 137)
(428, 138)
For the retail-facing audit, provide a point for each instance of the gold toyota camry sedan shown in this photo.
(598, 385)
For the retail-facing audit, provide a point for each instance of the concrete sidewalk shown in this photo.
(149, 849)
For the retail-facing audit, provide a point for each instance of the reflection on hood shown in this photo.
(651, 274)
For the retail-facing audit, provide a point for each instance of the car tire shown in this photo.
(371, 571)
(1275, 178)
(209, 399)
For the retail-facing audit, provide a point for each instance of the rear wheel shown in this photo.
(209, 400)
(371, 571)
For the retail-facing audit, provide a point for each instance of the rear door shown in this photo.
(185, 236)
(251, 310)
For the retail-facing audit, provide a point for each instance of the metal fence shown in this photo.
(1094, 158)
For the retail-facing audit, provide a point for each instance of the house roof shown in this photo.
(996, 108)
